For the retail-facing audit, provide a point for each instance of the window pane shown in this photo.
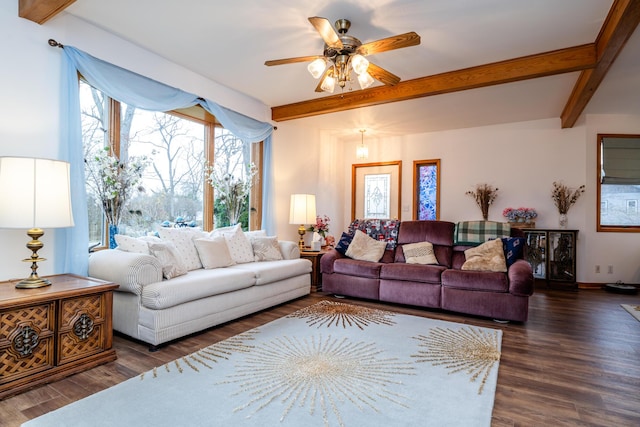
(94, 108)
(232, 173)
(620, 202)
(171, 191)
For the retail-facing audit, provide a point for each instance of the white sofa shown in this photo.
(156, 310)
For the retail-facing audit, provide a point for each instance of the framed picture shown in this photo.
(426, 189)
(375, 190)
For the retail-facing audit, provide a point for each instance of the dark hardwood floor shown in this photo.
(576, 362)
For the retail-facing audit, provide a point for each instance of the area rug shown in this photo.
(330, 364)
(634, 310)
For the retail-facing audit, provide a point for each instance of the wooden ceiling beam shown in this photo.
(40, 11)
(621, 22)
(528, 67)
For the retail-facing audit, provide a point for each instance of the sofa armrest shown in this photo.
(289, 250)
(132, 271)
(327, 260)
(521, 278)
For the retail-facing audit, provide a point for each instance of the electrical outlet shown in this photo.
(597, 269)
(610, 269)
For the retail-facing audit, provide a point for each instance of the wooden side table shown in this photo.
(315, 257)
(49, 333)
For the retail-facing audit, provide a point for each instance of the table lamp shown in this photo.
(35, 194)
(302, 211)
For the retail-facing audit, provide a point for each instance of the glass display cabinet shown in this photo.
(552, 255)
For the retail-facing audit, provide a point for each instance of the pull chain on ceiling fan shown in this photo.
(344, 53)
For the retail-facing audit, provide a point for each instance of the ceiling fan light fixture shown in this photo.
(359, 63)
(328, 84)
(317, 67)
(365, 80)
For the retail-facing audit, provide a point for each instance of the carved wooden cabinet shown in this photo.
(55, 331)
(552, 255)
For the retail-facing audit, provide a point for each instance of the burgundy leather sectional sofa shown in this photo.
(497, 295)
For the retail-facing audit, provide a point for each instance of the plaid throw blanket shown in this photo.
(470, 233)
(384, 230)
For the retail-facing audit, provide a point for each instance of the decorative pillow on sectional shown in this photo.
(513, 249)
(214, 252)
(239, 245)
(343, 244)
(364, 248)
(182, 238)
(489, 256)
(255, 233)
(419, 253)
(132, 244)
(169, 258)
(266, 248)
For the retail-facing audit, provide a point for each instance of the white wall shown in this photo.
(30, 100)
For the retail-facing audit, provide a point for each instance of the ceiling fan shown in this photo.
(343, 53)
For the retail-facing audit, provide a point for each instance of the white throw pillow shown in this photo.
(266, 248)
(132, 244)
(489, 256)
(239, 245)
(364, 248)
(214, 252)
(255, 233)
(182, 238)
(169, 258)
(419, 253)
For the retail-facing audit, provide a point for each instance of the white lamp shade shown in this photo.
(328, 84)
(359, 63)
(35, 193)
(316, 67)
(302, 209)
(365, 80)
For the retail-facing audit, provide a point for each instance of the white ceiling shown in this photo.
(228, 42)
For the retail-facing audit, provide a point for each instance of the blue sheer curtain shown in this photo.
(140, 92)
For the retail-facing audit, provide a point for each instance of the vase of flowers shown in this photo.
(113, 182)
(321, 226)
(231, 190)
(564, 197)
(484, 195)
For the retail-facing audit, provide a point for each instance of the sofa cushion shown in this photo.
(364, 248)
(272, 271)
(195, 285)
(214, 252)
(489, 256)
(352, 267)
(412, 272)
(239, 244)
(487, 281)
(343, 243)
(169, 258)
(266, 248)
(182, 238)
(385, 230)
(139, 245)
(419, 253)
(513, 249)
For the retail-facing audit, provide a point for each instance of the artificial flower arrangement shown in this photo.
(519, 214)
(565, 197)
(113, 181)
(321, 226)
(230, 190)
(484, 195)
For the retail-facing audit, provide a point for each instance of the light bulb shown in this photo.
(359, 63)
(316, 68)
(365, 80)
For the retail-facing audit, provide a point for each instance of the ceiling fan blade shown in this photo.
(328, 34)
(292, 60)
(390, 43)
(383, 75)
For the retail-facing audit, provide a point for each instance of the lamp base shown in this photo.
(33, 283)
(301, 232)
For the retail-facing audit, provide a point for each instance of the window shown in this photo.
(632, 207)
(178, 146)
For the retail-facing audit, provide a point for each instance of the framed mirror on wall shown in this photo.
(426, 189)
(376, 190)
(618, 189)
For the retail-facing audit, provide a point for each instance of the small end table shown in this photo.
(315, 257)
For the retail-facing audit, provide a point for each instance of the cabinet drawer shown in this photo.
(81, 331)
(26, 341)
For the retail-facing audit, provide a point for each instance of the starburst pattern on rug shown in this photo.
(469, 349)
(329, 313)
(201, 358)
(321, 374)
